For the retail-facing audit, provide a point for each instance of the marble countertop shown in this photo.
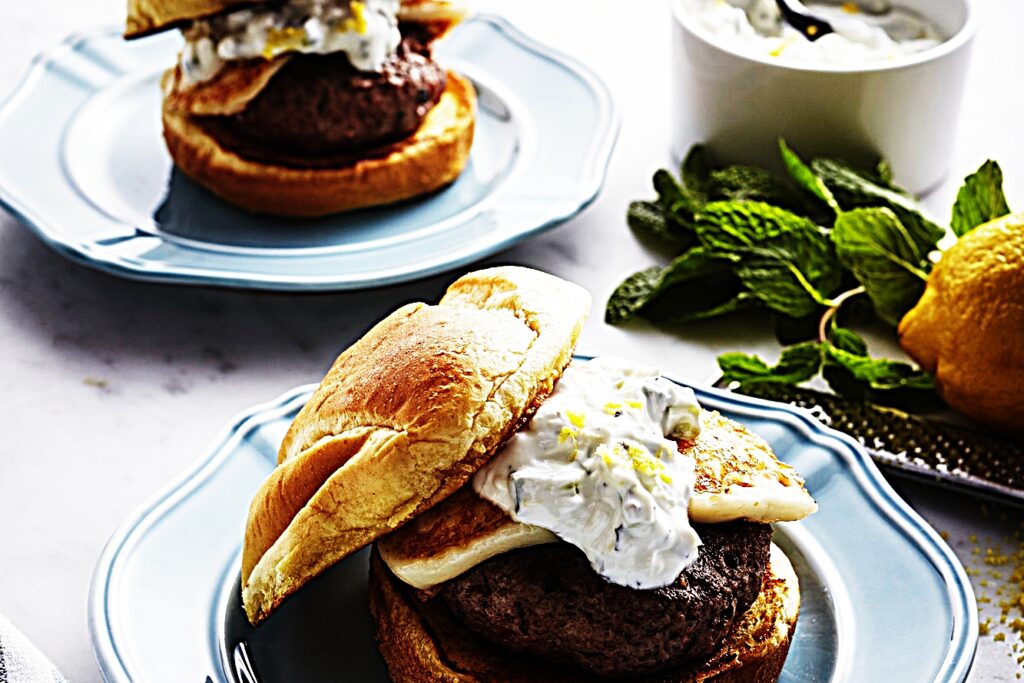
(109, 388)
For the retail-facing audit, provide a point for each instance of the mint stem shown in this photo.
(833, 310)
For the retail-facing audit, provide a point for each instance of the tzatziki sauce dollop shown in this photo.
(365, 30)
(757, 27)
(598, 467)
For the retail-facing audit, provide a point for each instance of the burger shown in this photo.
(311, 107)
(535, 518)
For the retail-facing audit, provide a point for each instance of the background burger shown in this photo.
(310, 107)
(535, 520)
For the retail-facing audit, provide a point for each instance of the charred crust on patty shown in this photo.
(547, 601)
(320, 105)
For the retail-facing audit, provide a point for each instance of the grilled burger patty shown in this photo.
(320, 105)
(548, 601)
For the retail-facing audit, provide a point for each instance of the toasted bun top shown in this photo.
(151, 16)
(403, 419)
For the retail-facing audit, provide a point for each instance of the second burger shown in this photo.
(311, 107)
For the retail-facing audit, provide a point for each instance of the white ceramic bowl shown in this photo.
(906, 109)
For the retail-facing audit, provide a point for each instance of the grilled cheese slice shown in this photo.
(738, 478)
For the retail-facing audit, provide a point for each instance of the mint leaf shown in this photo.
(851, 372)
(805, 177)
(980, 200)
(774, 276)
(880, 374)
(749, 183)
(739, 301)
(648, 219)
(797, 364)
(695, 286)
(678, 206)
(631, 295)
(671, 194)
(738, 367)
(783, 259)
(695, 264)
(884, 257)
(696, 173)
(854, 189)
(847, 340)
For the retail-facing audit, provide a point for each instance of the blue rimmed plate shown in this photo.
(884, 599)
(84, 166)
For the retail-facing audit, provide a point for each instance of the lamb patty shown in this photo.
(548, 601)
(320, 105)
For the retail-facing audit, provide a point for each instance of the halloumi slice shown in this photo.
(738, 478)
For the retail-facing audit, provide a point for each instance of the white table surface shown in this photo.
(108, 388)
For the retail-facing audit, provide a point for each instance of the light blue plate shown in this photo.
(84, 166)
(884, 599)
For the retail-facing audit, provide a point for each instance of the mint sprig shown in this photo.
(843, 360)
(799, 246)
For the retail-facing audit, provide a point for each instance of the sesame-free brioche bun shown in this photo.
(432, 157)
(422, 642)
(403, 419)
(151, 16)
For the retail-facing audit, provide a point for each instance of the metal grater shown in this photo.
(913, 445)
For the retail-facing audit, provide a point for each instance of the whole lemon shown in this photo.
(968, 328)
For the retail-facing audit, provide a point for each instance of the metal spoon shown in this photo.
(797, 16)
(900, 23)
(872, 7)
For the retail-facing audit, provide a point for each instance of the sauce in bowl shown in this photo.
(757, 27)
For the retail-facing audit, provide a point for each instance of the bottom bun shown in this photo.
(431, 158)
(422, 641)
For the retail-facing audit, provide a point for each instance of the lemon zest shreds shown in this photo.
(357, 22)
(282, 40)
(644, 463)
